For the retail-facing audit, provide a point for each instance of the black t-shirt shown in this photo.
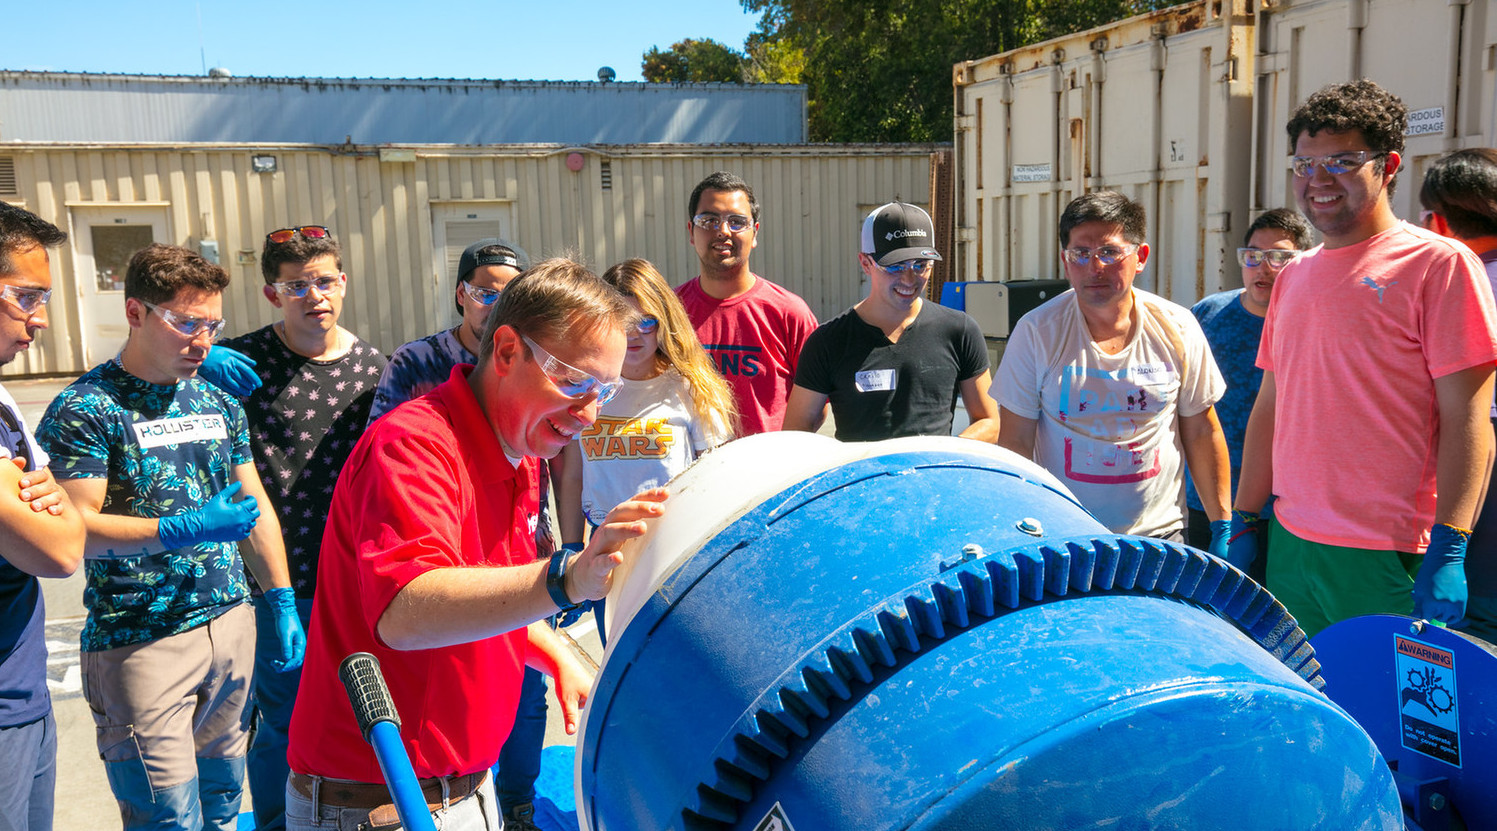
(304, 421)
(882, 390)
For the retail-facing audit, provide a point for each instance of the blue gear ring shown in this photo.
(968, 592)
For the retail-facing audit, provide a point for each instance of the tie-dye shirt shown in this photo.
(165, 450)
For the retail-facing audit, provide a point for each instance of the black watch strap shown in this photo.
(556, 580)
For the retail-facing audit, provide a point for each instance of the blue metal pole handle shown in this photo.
(375, 711)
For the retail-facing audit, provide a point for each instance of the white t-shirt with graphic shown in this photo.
(647, 434)
(1107, 423)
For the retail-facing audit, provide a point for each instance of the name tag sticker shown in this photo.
(206, 427)
(874, 380)
(1153, 374)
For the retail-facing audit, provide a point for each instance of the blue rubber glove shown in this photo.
(230, 370)
(1221, 531)
(221, 520)
(1440, 587)
(287, 629)
(564, 619)
(1242, 538)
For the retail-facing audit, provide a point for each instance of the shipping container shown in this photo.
(1146, 106)
(1184, 109)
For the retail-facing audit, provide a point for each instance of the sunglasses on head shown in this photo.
(306, 231)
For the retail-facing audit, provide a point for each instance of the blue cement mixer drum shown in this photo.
(932, 634)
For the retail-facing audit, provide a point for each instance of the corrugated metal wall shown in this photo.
(138, 109)
(1436, 56)
(386, 215)
(1147, 107)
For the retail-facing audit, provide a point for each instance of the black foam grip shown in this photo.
(367, 692)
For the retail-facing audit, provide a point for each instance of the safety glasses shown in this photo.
(1106, 255)
(186, 326)
(919, 268)
(27, 300)
(306, 231)
(569, 380)
(1334, 164)
(736, 223)
(297, 289)
(480, 295)
(1276, 258)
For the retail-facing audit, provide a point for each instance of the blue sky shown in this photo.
(548, 41)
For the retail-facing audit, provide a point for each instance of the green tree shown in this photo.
(691, 60)
(880, 71)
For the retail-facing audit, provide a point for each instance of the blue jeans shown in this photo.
(476, 813)
(28, 776)
(274, 696)
(520, 758)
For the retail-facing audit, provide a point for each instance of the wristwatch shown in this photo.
(556, 580)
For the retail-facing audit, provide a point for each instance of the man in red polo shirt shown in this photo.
(428, 559)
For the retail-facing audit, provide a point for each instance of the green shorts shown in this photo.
(1322, 584)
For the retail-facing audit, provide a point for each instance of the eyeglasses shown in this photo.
(1334, 164)
(186, 326)
(571, 381)
(27, 300)
(480, 295)
(711, 222)
(647, 325)
(297, 289)
(306, 231)
(1106, 255)
(919, 268)
(1275, 257)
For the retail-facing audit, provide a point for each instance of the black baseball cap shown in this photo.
(513, 256)
(897, 232)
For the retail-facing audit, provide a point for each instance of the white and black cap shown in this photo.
(897, 232)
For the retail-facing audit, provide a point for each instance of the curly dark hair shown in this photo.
(1361, 106)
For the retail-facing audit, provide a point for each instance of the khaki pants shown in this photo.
(171, 712)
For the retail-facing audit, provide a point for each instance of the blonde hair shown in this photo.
(676, 341)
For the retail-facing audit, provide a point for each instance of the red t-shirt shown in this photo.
(427, 487)
(755, 339)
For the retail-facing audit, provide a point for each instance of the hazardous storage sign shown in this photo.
(1429, 720)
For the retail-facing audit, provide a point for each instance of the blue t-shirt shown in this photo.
(165, 450)
(23, 636)
(1233, 333)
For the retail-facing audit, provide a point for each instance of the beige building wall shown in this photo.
(403, 214)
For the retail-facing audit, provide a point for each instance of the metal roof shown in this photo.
(77, 107)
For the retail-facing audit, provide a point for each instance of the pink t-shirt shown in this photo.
(755, 340)
(1355, 337)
